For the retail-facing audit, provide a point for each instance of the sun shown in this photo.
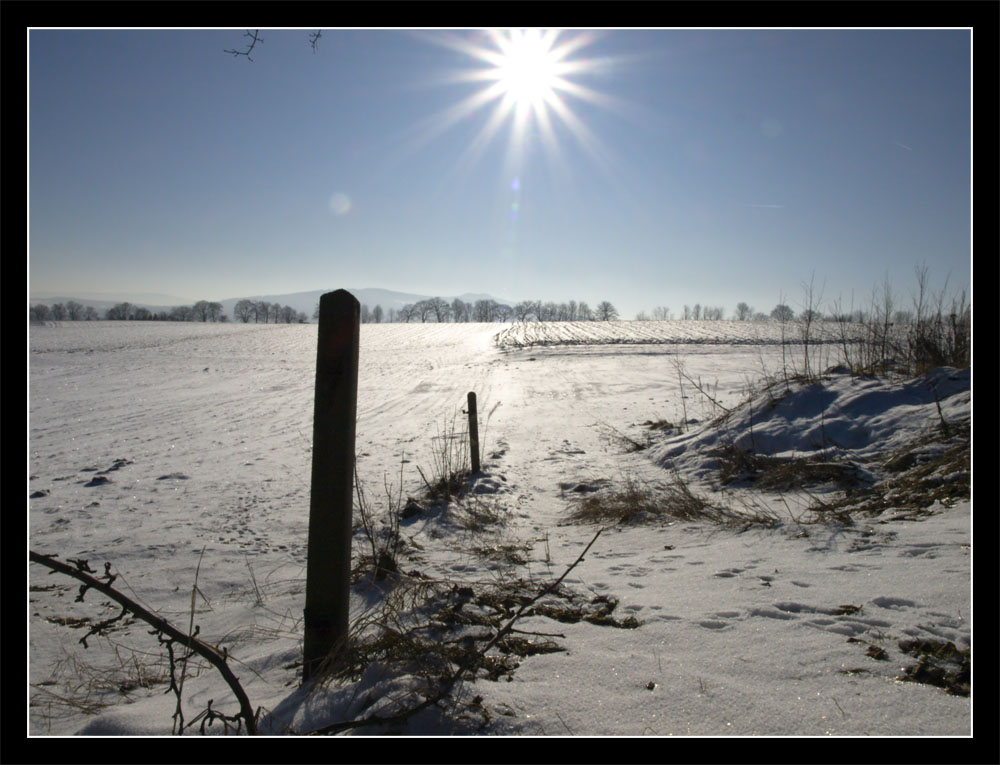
(527, 70)
(529, 77)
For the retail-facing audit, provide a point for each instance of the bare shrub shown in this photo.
(633, 501)
(451, 461)
(381, 530)
(938, 332)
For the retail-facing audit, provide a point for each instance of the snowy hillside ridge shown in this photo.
(673, 331)
(837, 417)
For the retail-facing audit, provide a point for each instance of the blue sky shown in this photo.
(688, 166)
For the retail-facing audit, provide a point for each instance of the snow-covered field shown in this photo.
(180, 453)
(530, 334)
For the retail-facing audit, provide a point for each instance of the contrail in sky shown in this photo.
(903, 146)
(771, 206)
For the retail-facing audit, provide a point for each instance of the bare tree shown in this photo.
(606, 311)
(58, 311)
(39, 312)
(661, 313)
(743, 312)
(440, 309)
(377, 314)
(200, 310)
(262, 310)
(902, 318)
(74, 311)
(810, 314)
(119, 312)
(244, 310)
(182, 313)
(782, 312)
(524, 310)
(423, 309)
(713, 313)
(90, 313)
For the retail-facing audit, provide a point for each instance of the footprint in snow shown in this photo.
(728, 573)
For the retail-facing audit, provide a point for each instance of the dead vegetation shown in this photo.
(76, 685)
(633, 501)
(744, 466)
(426, 629)
(420, 639)
(939, 663)
(437, 634)
(919, 475)
(934, 468)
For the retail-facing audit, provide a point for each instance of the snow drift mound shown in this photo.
(836, 417)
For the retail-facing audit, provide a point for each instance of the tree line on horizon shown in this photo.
(261, 312)
(439, 310)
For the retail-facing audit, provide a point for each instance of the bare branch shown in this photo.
(470, 665)
(254, 39)
(161, 627)
(314, 39)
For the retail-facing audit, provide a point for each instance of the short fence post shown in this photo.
(328, 567)
(473, 432)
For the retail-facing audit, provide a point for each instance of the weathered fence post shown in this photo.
(473, 432)
(328, 566)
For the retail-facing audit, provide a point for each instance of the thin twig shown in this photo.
(161, 626)
(254, 39)
(463, 667)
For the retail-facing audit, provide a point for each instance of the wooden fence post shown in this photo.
(328, 567)
(473, 432)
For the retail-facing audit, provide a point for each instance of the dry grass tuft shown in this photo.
(634, 502)
(738, 465)
(920, 474)
(76, 685)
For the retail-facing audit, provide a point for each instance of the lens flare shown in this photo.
(340, 203)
